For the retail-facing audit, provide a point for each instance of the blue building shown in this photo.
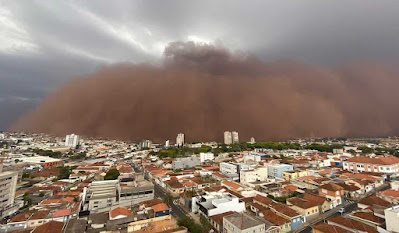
(160, 210)
(276, 170)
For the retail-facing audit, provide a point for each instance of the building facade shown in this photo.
(72, 140)
(386, 165)
(8, 186)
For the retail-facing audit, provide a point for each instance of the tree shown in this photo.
(168, 199)
(64, 173)
(112, 174)
(190, 224)
(27, 199)
(205, 223)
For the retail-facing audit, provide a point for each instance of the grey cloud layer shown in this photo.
(47, 42)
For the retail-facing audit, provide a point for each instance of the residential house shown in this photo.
(352, 225)
(390, 195)
(306, 208)
(242, 223)
(333, 193)
(217, 221)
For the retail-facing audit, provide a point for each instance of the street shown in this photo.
(349, 206)
(177, 211)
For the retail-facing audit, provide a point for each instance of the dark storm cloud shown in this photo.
(44, 43)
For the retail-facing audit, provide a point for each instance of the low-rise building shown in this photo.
(392, 219)
(186, 162)
(306, 208)
(214, 203)
(333, 193)
(276, 170)
(242, 223)
(387, 165)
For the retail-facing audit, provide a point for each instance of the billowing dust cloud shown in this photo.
(202, 90)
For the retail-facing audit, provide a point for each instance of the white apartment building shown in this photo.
(180, 139)
(214, 203)
(206, 156)
(387, 165)
(72, 140)
(8, 186)
(234, 136)
(253, 175)
(228, 138)
(146, 144)
(229, 168)
(167, 143)
(392, 219)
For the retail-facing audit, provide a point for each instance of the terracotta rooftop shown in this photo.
(327, 228)
(272, 217)
(331, 187)
(219, 217)
(264, 200)
(284, 209)
(174, 183)
(301, 203)
(50, 227)
(390, 193)
(370, 217)
(160, 207)
(352, 224)
(314, 198)
(231, 184)
(119, 211)
(61, 213)
(374, 200)
(388, 160)
(151, 202)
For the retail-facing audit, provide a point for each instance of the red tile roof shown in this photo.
(374, 200)
(388, 160)
(272, 217)
(160, 207)
(327, 228)
(50, 227)
(302, 203)
(219, 217)
(370, 217)
(319, 200)
(61, 213)
(390, 193)
(352, 224)
(331, 187)
(119, 211)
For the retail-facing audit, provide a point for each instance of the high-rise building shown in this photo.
(72, 140)
(227, 138)
(252, 141)
(146, 144)
(180, 139)
(8, 187)
(234, 136)
(167, 143)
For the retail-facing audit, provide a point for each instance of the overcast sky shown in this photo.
(44, 43)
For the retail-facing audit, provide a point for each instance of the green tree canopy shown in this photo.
(112, 174)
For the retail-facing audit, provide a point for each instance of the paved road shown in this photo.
(349, 207)
(177, 211)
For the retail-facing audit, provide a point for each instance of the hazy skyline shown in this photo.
(45, 43)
